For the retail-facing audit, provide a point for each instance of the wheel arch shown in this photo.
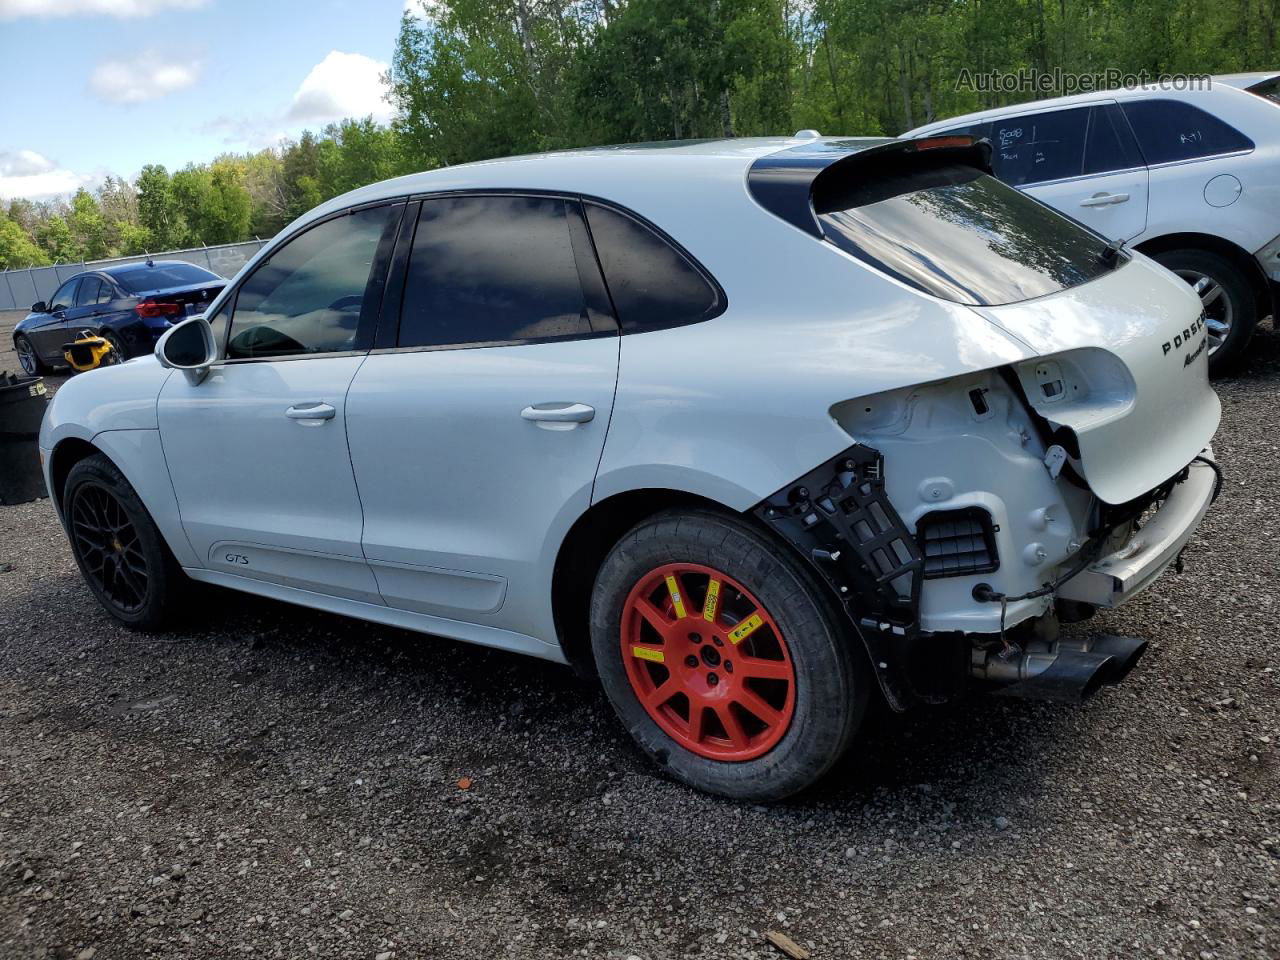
(588, 542)
(1190, 240)
(66, 454)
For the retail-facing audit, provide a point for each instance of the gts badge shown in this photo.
(237, 558)
(1184, 338)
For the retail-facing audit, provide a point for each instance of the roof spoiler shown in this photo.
(799, 183)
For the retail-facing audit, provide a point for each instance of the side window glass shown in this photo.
(653, 285)
(1039, 147)
(492, 269)
(64, 299)
(976, 130)
(1109, 145)
(309, 296)
(108, 294)
(1170, 130)
(90, 287)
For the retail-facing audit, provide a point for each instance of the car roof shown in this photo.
(592, 171)
(1234, 81)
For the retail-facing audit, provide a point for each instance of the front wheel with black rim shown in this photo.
(28, 359)
(1230, 308)
(726, 660)
(118, 547)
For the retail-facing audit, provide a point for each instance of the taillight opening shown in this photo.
(154, 309)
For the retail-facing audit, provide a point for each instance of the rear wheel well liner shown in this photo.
(1238, 257)
(582, 552)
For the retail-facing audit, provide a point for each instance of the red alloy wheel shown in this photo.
(707, 662)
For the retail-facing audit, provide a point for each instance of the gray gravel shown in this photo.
(283, 783)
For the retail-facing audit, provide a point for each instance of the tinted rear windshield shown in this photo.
(961, 235)
(1267, 88)
(145, 278)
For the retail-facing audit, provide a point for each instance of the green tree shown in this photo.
(17, 248)
(158, 210)
(88, 226)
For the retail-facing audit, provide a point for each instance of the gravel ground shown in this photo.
(284, 783)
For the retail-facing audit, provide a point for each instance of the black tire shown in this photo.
(1237, 296)
(117, 354)
(832, 676)
(40, 367)
(98, 493)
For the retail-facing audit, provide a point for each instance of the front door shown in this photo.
(475, 437)
(258, 450)
(48, 332)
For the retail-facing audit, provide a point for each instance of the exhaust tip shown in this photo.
(1125, 652)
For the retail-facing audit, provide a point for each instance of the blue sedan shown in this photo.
(129, 305)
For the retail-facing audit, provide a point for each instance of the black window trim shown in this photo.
(366, 332)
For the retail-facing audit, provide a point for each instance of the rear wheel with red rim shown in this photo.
(708, 662)
(726, 660)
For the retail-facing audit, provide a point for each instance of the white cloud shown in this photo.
(13, 9)
(140, 78)
(339, 86)
(27, 174)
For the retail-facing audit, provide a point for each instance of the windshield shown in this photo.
(161, 277)
(959, 234)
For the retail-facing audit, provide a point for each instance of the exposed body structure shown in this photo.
(752, 451)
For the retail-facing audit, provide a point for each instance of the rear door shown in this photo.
(84, 314)
(1081, 160)
(477, 428)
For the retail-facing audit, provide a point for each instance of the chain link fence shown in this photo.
(19, 289)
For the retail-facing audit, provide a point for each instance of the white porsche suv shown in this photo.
(1187, 176)
(752, 430)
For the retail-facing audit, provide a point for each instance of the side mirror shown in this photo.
(188, 346)
(39, 307)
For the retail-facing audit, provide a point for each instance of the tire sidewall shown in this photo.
(1244, 306)
(99, 471)
(831, 690)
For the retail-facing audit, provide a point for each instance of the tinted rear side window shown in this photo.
(1268, 89)
(141, 279)
(492, 270)
(959, 234)
(1109, 145)
(653, 284)
(1170, 130)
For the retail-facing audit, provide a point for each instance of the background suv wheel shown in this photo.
(1231, 310)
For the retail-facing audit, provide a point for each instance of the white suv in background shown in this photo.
(1188, 177)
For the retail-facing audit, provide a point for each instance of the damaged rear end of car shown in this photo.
(977, 509)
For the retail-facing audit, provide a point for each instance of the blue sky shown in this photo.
(96, 87)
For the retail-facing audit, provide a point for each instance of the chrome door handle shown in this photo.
(1104, 199)
(559, 413)
(311, 411)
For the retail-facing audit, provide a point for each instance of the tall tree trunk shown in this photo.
(726, 114)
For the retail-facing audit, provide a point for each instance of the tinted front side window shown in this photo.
(143, 279)
(961, 235)
(1170, 130)
(1040, 147)
(64, 299)
(653, 285)
(490, 269)
(87, 295)
(309, 295)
